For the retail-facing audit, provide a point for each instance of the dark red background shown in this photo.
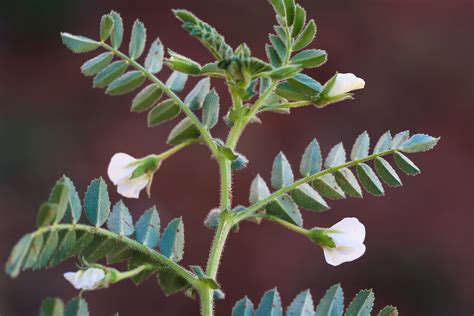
(417, 59)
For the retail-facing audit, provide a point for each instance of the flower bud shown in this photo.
(183, 64)
(212, 219)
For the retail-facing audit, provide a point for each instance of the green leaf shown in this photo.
(362, 304)
(65, 247)
(306, 197)
(348, 183)
(77, 307)
(74, 207)
(265, 83)
(387, 173)
(332, 302)
(46, 214)
(146, 98)
(270, 304)
(361, 147)
(369, 179)
(126, 83)
(327, 186)
(399, 139)
(52, 307)
(147, 228)
(336, 156)
(306, 85)
(279, 7)
(97, 203)
(83, 240)
(273, 56)
(285, 209)
(419, 143)
(310, 58)
(33, 253)
(17, 256)
(172, 240)
(311, 161)
(203, 277)
(282, 175)
(208, 35)
(239, 163)
(117, 33)
(170, 282)
(383, 144)
(290, 9)
(96, 64)
(210, 109)
(388, 311)
(59, 197)
(212, 69)
(110, 73)
(100, 247)
(183, 132)
(405, 164)
(136, 261)
(79, 44)
(164, 111)
(306, 37)
(195, 98)
(299, 21)
(154, 58)
(48, 249)
(120, 220)
(287, 91)
(243, 307)
(285, 72)
(258, 190)
(279, 46)
(176, 81)
(106, 26)
(122, 253)
(137, 40)
(302, 305)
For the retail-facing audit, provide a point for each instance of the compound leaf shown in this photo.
(362, 304)
(97, 202)
(302, 305)
(361, 147)
(282, 175)
(332, 302)
(137, 40)
(120, 221)
(270, 304)
(172, 240)
(147, 228)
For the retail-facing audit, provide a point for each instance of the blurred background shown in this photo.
(417, 58)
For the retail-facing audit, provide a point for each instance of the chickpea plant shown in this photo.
(256, 86)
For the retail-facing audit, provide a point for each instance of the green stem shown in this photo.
(131, 273)
(260, 204)
(174, 150)
(204, 132)
(288, 225)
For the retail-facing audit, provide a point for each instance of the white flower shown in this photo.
(120, 171)
(85, 280)
(345, 83)
(348, 235)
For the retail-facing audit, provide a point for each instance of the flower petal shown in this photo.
(120, 167)
(351, 228)
(131, 188)
(345, 83)
(335, 256)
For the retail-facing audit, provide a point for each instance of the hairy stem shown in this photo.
(206, 136)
